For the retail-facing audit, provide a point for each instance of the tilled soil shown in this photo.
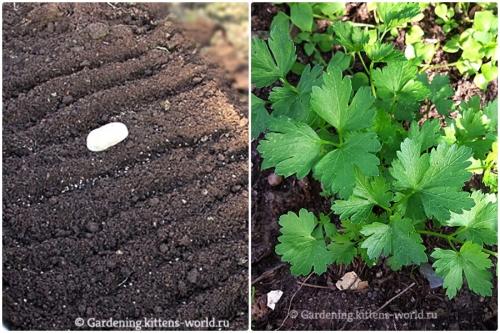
(155, 227)
(308, 307)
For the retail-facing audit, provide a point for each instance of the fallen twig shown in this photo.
(392, 299)
(382, 307)
(267, 273)
(291, 300)
(317, 286)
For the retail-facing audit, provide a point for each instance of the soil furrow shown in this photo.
(41, 183)
(234, 289)
(96, 109)
(120, 274)
(223, 225)
(94, 53)
(95, 205)
(155, 129)
(155, 134)
(177, 278)
(27, 22)
(30, 108)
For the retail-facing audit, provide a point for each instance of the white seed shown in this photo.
(106, 136)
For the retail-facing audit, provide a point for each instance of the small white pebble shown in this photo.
(106, 136)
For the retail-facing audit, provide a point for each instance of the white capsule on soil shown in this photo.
(106, 136)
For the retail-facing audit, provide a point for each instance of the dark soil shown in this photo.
(466, 311)
(155, 227)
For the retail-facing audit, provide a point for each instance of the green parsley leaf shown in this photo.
(328, 227)
(291, 147)
(479, 224)
(331, 102)
(394, 15)
(298, 247)
(330, 9)
(350, 37)
(452, 45)
(378, 241)
(294, 102)
(367, 194)
(491, 112)
(471, 129)
(471, 261)
(440, 92)
(339, 61)
(485, 21)
(427, 135)
(490, 175)
(383, 52)
(351, 230)
(336, 170)
(398, 239)
(431, 183)
(267, 67)
(301, 15)
(390, 134)
(399, 90)
(260, 116)
(342, 250)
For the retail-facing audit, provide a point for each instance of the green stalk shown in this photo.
(286, 83)
(368, 72)
(363, 62)
(371, 82)
(490, 252)
(383, 35)
(356, 24)
(451, 239)
(326, 142)
(437, 66)
(320, 58)
(433, 233)
(341, 139)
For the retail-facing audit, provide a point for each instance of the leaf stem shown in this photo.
(490, 252)
(363, 62)
(286, 83)
(368, 72)
(357, 24)
(451, 244)
(319, 56)
(451, 239)
(433, 233)
(326, 142)
(437, 66)
(456, 232)
(371, 81)
(383, 34)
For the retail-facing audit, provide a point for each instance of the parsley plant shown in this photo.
(354, 121)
